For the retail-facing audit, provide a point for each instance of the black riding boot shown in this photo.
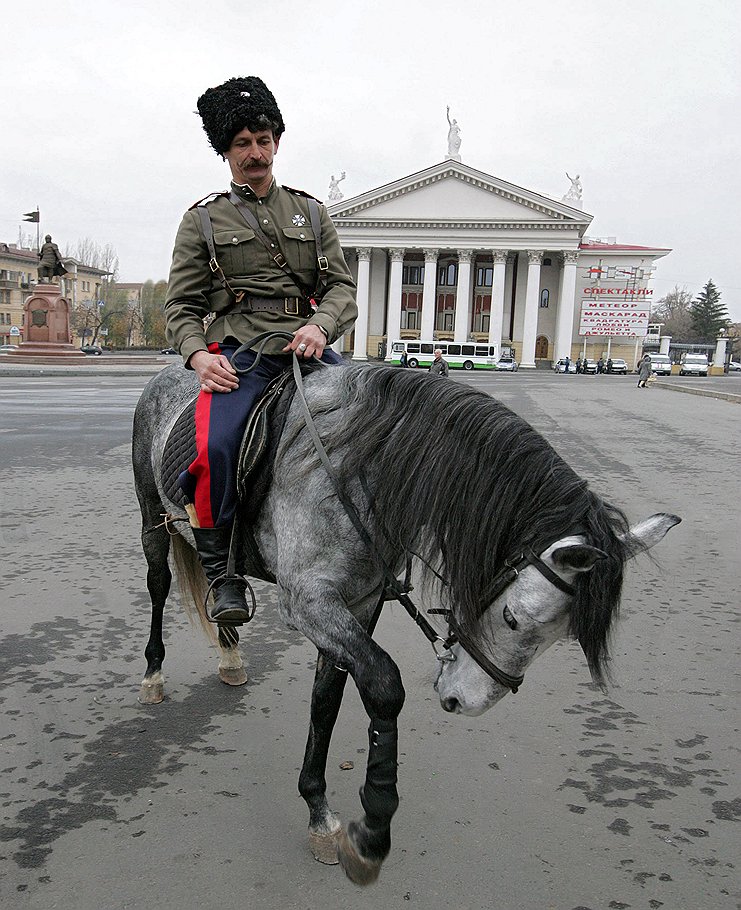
(213, 551)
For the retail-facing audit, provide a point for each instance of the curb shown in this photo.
(705, 393)
(28, 370)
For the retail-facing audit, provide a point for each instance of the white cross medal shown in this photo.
(298, 220)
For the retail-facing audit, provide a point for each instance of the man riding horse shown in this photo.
(260, 258)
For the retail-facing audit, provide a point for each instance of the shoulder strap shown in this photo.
(208, 236)
(321, 260)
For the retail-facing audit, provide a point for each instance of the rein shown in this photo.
(456, 633)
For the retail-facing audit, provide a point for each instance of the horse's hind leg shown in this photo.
(326, 698)
(156, 545)
(231, 669)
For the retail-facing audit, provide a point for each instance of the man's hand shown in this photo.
(307, 341)
(214, 372)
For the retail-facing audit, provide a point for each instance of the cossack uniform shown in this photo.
(243, 265)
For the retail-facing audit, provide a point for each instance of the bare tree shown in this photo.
(673, 310)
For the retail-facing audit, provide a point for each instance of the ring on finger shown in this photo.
(302, 347)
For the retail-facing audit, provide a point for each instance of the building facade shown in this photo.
(18, 269)
(452, 253)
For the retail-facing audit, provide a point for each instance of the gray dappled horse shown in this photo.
(520, 552)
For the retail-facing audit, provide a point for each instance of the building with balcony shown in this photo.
(18, 270)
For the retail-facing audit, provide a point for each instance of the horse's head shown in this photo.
(526, 617)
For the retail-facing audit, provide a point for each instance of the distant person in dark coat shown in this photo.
(644, 371)
(403, 360)
(439, 367)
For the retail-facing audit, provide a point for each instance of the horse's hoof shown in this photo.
(152, 690)
(232, 677)
(360, 871)
(324, 847)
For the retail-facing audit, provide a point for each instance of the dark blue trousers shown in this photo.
(210, 481)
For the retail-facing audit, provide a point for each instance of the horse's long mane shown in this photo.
(466, 483)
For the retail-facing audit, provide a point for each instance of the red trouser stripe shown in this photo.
(200, 468)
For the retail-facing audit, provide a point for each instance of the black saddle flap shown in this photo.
(262, 435)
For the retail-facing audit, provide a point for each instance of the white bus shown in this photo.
(459, 355)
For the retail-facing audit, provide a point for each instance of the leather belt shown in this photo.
(289, 306)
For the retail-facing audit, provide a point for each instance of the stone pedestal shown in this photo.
(46, 327)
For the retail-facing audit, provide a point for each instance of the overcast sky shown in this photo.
(641, 98)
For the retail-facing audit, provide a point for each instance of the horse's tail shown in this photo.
(192, 583)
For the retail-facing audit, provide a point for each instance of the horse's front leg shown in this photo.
(365, 844)
(336, 633)
(326, 698)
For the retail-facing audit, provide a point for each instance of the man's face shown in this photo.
(250, 156)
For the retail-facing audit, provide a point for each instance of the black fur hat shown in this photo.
(239, 103)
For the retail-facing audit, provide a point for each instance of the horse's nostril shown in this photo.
(450, 704)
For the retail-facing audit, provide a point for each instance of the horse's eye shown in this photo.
(509, 618)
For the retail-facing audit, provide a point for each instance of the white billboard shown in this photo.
(626, 318)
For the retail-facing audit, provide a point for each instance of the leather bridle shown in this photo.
(457, 634)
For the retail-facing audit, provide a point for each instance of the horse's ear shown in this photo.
(649, 532)
(577, 557)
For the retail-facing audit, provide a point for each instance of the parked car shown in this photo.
(734, 367)
(589, 366)
(168, 351)
(661, 364)
(617, 365)
(92, 349)
(507, 363)
(694, 365)
(560, 366)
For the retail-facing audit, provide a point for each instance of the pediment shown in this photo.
(454, 192)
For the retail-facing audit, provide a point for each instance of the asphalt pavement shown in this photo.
(560, 798)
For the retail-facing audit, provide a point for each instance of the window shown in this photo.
(547, 261)
(544, 297)
(484, 277)
(409, 319)
(413, 274)
(447, 275)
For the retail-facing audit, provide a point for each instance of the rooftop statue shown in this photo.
(454, 138)
(575, 191)
(334, 194)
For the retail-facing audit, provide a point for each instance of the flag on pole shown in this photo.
(32, 216)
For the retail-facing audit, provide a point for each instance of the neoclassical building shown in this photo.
(452, 253)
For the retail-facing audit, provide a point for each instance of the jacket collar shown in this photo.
(244, 192)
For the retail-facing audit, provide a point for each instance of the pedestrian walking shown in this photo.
(439, 367)
(644, 371)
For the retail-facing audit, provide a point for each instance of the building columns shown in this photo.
(565, 313)
(393, 311)
(429, 295)
(363, 302)
(532, 300)
(496, 311)
(463, 296)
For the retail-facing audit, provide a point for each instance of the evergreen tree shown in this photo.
(708, 314)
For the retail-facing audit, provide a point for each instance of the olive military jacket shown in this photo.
(194, 292)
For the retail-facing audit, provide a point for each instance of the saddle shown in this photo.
(256, 456)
